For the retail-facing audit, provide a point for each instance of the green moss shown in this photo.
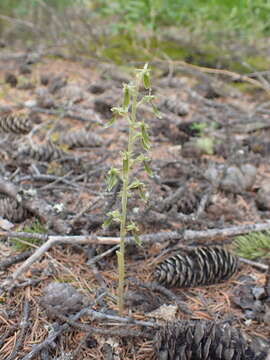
(121, 48)
(36, 227)
(259, 63)
(245, 87)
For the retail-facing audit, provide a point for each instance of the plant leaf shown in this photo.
(126, 100)
(147, 168)
(144, 136)
(112, 178)
(110, 122)
(125, 162)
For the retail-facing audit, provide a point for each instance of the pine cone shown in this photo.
(64, 298)
(198, 266)
(203, 340)
(11, 210)
(20, 124)
(46, 152)
(80, 138)
(175, 106)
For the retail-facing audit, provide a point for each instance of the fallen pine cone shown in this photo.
(195, 267)
(203, 340)
(45, 152)
(80, 138)
(11, 210)
(20, 124)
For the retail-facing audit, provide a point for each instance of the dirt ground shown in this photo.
(210, 161)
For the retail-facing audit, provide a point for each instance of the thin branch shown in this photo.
(182, 235)
(23, 329)
(53, 335)
(182, 306)
(101, 316)
(255, 264)
(5, 264)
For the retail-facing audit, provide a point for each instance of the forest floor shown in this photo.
(211, 170)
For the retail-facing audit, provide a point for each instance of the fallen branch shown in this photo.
(255, 264)
(181, 235)
(24, 324)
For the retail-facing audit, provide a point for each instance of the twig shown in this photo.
(127, 320)
(100, 316)
(28, 282)
(86, 208)
(5, 264)
(23, 325)
(256, 264)
(101, 256)
(182, 235)
(51, 337)
(234, 76)
(48, 178)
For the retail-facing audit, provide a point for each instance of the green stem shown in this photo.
(121, 252)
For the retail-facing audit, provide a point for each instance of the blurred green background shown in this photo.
(180, 29)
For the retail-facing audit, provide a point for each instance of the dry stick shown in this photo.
(95, 259)
(256, 264)
(5, 264)
(48, 178)
(101, 316)
(51, 337)
(184, 235)
(233, 75)
(96, 315)
(24, 324)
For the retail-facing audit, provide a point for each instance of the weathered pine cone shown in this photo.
(80, 138)
(195, 267)
(64, 298)
(20, 124)
(175, 106)
(45, 152)
(11, 210)
(203, 340)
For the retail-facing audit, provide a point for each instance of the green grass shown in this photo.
(238, 16)
(137, 30)
(23, 244)
(241, 16)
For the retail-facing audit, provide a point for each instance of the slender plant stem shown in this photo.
(121, 252)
